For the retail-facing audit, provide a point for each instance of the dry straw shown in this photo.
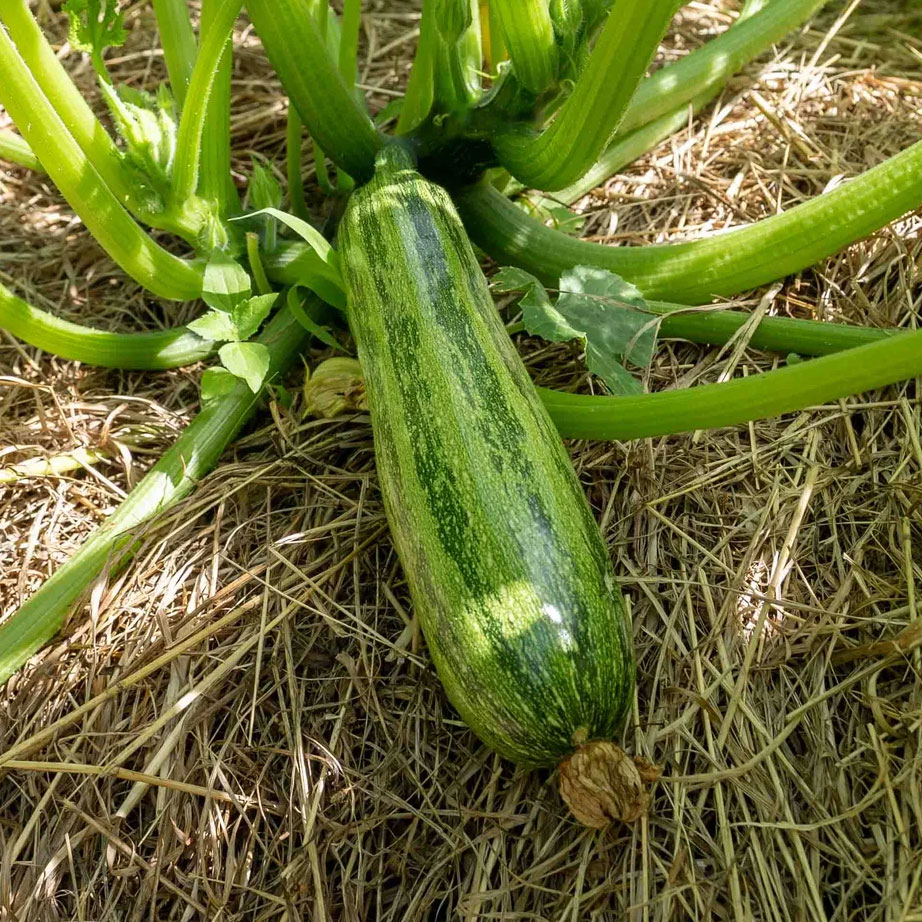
(244, 724)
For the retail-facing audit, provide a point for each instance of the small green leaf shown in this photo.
(217, 382)
(249, 361)
(265, 191)
(315, 329)
(539, 315)
(510, 278)
(225, 284)
(309, 234)
(619, 381)
(95, 25)
(611, 312)
(249, 315)
(216, 326)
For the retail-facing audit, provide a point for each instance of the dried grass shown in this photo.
(244, 723)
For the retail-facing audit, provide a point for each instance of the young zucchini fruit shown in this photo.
(509, 576)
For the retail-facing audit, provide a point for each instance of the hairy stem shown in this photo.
(583, 127)
(206, 74)
(721, 265)
(148, 351)
(335, 118)
(177, 39)
(83, 187)
(711, 406)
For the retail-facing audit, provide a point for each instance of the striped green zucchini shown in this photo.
(507, 570)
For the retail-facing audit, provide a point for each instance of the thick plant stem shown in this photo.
(709, 68)
(146, 351)
(205, 76)
(711, 326)
(529, 35)
(583, 127)
(325, 102)
(711, 406)
(83, 187)
(178, 41)
(625, 149)
(192, 456)
(721, 265)
(15, 150)
(71, 108)
(215, 181)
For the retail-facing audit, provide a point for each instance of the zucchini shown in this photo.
(507, 570)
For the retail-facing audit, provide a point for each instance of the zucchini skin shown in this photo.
(508, 573)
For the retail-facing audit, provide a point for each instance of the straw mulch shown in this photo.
(244, 723)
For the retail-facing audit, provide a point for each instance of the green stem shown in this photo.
(153, 351)
(178, 42)
(14, 149)
(293, 164)
(625, 149)
(712, 326)
(215, 182)
(72, 109)
(710, 67)
(192, 456)
(722, 265)
(712, 406)
(83, 187)
(583, 127)
(628, 146)
(349, 41)
(716, 326)
(529, 35)
(205, 76)
(325, 102)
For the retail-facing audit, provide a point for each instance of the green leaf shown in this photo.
(310, 235)
(249, 361)
(600, 308)
(217, 382)
(619, 381)
(249, 315)
(216, 326)
(611, 312)
(539, 315)
(226, 283)
(315, 329)
(95, 25)
(265, 190)
(511, 278)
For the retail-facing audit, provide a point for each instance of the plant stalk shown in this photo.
(192, 456)
(582, 128)
(335, 118)
(85, 189)
(177, 39)
(72, 110)
(152, 351)
(721, 265)
(712, 406)
(15, 150)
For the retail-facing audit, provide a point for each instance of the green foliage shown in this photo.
(148, 125)
(249, 361)
(601, 309)
(236, 315)
(95, 25)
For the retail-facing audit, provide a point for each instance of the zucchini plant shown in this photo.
(505, 564)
